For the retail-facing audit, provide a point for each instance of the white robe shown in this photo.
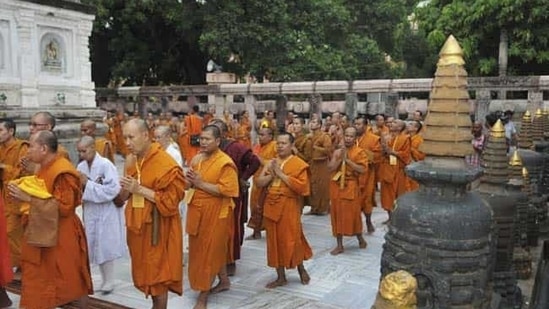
(103, 221)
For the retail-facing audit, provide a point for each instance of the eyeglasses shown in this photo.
(34, 124)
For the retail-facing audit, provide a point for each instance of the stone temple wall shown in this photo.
(45, 64)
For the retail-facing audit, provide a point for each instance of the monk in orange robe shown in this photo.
(214, 180)
(381, 125)
(414, 128)
(182, 139)
(319, 199)
(244, 130)
(54, 276)
(154, 184)
(370, 143)
(346, 165)
(265, 151)
(6, 273)
(303, 145)
(286, 180)
(109, 134)
(12, 150)
(396, 155)
(117, 123)
(102, 145)
(42, 121)
(194, 125)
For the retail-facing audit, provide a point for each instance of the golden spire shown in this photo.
(515, 159)
(524, 172)
(526, 115)
(497, 130)
(451, 53)
(538, 113)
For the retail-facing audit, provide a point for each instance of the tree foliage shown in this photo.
(169, 41)
(477, 25)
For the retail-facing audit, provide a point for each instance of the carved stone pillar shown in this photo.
(281, 111)
(482, 105)
(351, 100)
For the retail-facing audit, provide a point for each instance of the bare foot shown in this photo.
(304, 276)
(231, 269)
(370, 228)
(221, 286)
(276, 283)
(362, 244)
(5, 301)
(337, 250)
(200, 305)
(254, 236)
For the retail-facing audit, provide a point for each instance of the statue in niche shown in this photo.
(51, 56)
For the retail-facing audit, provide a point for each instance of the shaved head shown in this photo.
(163, 130)
(46, 138)
(47, 117)
(139, 124)
(86, 141)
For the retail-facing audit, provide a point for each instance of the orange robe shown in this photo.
(286, 244)
(304, 145)
(319, 199)
(243, 133)
(209, 219)
(345, 209)
(63, 152)
(417, 155)
(392, 177)
(11, 156)
(6, 273)
(109, 135)
(157, 269)
(207, 118)
(371, 144)
(194, 127)
(104, 148)
(58, 275)
(119, 136)
(264, 153)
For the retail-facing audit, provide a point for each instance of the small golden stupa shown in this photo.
(516, 167)
(537, 126)
(449, 125)
(525, 136)
(494, 158)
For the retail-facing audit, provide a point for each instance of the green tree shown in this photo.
(291, 40)
(497, 36)
(146, 42)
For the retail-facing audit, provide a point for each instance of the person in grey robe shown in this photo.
(103, 221)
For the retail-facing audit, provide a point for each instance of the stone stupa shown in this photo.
(443, 233)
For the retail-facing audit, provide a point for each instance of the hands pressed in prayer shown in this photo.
(16, 193)
(129, 184)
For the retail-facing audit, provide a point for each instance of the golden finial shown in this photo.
(451, 53)
(497, 129)
(524, 172)
(545, 112)
(526, 115)
(538, 113)
(516, 160)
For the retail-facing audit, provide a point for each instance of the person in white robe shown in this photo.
(103, 221)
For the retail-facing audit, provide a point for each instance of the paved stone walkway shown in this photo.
(347, 281)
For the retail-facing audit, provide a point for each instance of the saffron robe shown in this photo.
(319, 199)
(121, 146)
(6, 273)
(286, 244)
(345, 209)
(105, 148)
(57, 275)
(392, 177)
(11, 155)
(264, 153)
(208, 219)
(371, 144)
(243, 133)
(417, 155)
(156, 269)
(194, 127)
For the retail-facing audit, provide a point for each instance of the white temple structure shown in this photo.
(44, 54)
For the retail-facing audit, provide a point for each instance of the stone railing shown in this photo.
(366, 97)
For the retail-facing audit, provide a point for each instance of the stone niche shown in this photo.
(45, 63)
